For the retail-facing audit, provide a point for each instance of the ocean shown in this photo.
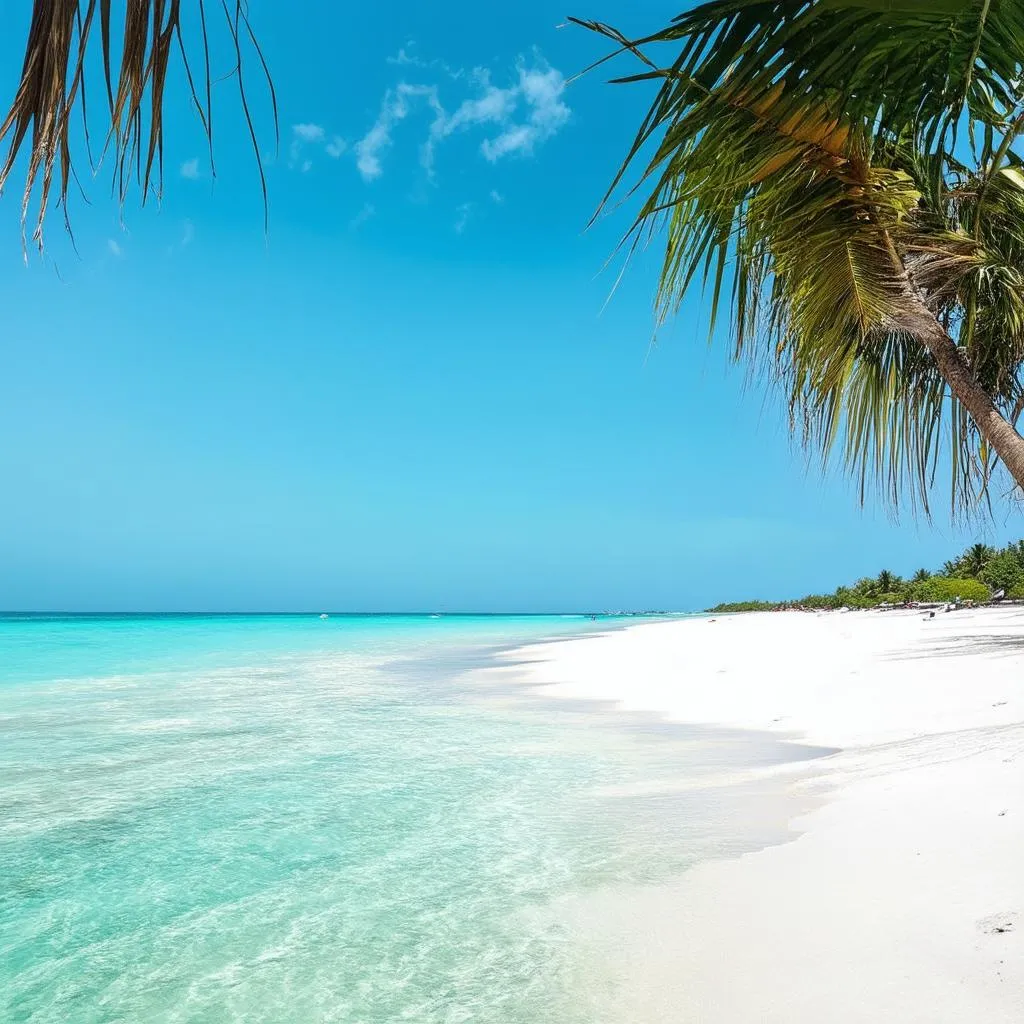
(288, 819)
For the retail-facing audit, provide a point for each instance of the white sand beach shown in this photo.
(901, 896)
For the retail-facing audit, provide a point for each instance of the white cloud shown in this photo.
(393, 108)
(115, 249)
(368, 148)
(496, 196)
(518, 138)
(494, 105)
(403, 58)
(190, 169)
(542, 89)
(462, 212)
(406, 58)
(525, 113)
(308, 132)
(307, 136)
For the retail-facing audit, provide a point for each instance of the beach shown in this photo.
(898, 895)
(783, 818)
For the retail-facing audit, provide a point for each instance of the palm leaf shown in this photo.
(802, 162)
(53, 80)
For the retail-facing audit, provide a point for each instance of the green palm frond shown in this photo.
(897, 64)
(52, 86)
(803, 163)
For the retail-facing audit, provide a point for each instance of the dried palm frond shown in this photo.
(61, 36)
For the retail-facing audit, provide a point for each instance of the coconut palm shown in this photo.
(137, 45)
(976, 557)
(865, 587)
(921, 576)
(887, 581)
(843, 177)
(970, 563)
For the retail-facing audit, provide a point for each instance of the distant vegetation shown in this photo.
(975, 575)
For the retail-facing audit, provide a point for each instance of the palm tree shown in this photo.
(843, 177)
(887, 581)
(975, 558)
(921, 576)
(61, 37)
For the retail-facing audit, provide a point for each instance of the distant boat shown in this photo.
(324, 615)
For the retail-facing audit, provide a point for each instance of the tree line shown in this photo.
(977, 574)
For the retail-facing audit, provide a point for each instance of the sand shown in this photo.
(901, 896)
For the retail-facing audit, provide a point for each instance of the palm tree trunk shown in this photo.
(997, 430)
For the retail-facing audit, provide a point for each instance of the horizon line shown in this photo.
(4, 613)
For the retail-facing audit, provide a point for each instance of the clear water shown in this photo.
(288, 820)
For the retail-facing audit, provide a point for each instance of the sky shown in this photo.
(420, 388)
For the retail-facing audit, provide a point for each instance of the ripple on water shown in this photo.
(328, 839)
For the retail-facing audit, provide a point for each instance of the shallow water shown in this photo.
(289, 820)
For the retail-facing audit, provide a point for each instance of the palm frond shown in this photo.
(802, 162)
(53, 82)
(896, 64)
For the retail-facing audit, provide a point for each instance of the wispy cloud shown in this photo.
(496, 196)
(362, 216)
(308, 138)
(308, 132)
(521, 115)
(394, 107)
(462, 214)
(190, 169)
(403, 57)
(541, 89)
(407, 58)
(114, 248)
(185, 239)
(378, 138)
(493, 105)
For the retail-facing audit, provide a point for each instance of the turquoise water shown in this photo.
(286, 820)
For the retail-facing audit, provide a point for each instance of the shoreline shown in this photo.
(899, 896)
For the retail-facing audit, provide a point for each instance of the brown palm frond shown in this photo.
(53, 79)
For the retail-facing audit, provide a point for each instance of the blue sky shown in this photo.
(411, 394)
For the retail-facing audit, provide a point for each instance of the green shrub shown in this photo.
(846, 597)
(1004, 572)
(943, 588)
(745, 606)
